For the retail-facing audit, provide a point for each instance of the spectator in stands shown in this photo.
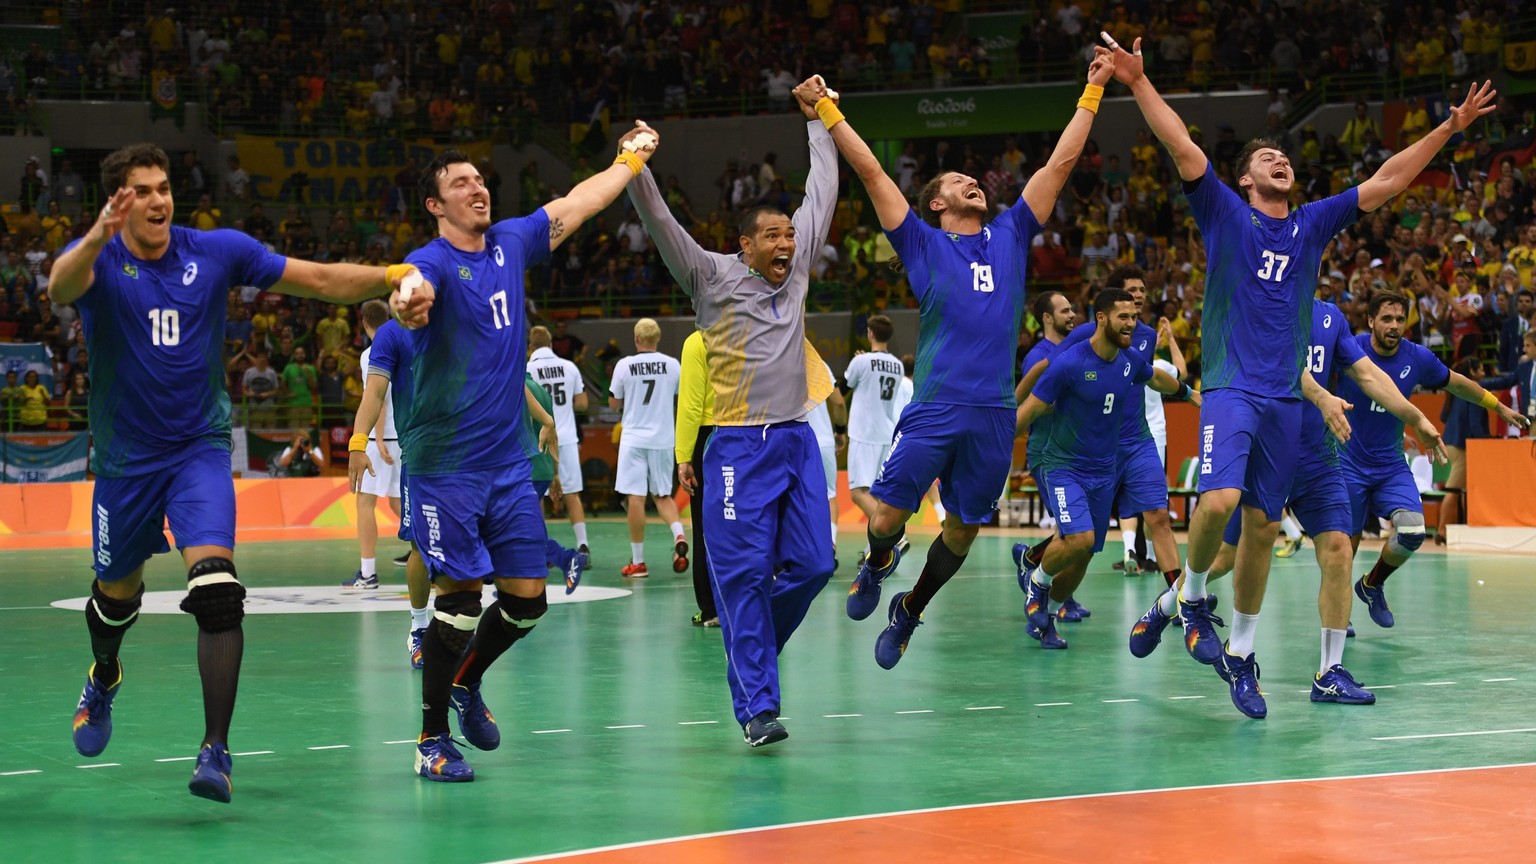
(568, 346)
(332, 390)
(77, 401)
(1512, 332)
(299, 384)
(10, 400)
(206, 217)
(332, 332)
(32, 408)
(261, 384)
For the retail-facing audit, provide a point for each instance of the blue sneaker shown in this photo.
(1200, 638)
(413, 642)
(1349, 632)
(1337, 685)
(892, 641)
(574, 565)
(437, 759)
(1375, 603)
(1046, 635)
(1072, 611)
(1026, 569)
(1147, 632)
(1242, 677)
(359, 582)
(93, 716)
(475, 720)
(210, 779)
(1037, 607)
(765, 728)
(864, 596)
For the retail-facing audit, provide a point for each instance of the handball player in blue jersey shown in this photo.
(152, 298)
(1084, 386)
(1261, 273)
(966, 268)
(1320, 500)
(1380, 483)
(473, 510)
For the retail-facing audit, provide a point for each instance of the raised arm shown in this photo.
(1383, 391)
(1465, 388)
(688, 263)
(890, 205)
(1045, 185)
(1175, 353)
(1398, 172)
(1165, 123)
(592, 195)
(73, 272)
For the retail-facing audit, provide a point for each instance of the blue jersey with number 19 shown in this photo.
(1085, 389)
(155, 330)
(468, 362)
(970, 290)
(1378, 436)
(1260, 278)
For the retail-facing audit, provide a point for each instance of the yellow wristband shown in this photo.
(630, 161)
(827, 110)
(1489, 401)
(396, 272)
(1090, 98)
(358, 443)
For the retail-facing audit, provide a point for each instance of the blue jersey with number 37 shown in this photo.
(970, 289)
(155, 330)
(1260, 278)
(468, 362)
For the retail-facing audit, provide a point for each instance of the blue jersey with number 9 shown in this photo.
(1261, 275)
(468, 363)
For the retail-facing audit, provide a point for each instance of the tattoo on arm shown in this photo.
(556, 228)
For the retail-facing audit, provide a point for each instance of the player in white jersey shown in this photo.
(823, 418)
(644, 387)
(903, 398)
(1157, 423)
(873, 376)
(562, 380)
(384, 454)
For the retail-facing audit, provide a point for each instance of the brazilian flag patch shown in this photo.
(131, 270)
(464, 273)
(1090, 376)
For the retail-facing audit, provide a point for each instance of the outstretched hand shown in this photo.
(1429, 439)
(1102, 68)
(1479, 102)
(1335, 415)
(1127, 66)
(113, 216)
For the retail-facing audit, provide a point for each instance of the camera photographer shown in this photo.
(298, 459)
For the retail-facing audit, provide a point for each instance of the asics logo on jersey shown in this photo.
(496, 253)
(1404, 373)
(434, 531)
(728, 478)
(103, 555)
(1207, 441)
(189, 274)
(1126, 372)
(1295, 229)
(1327, 321)
(1065, 518)
(131, 271)
(464, 273)
(1141, 347)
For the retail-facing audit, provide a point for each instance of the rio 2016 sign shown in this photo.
(972, 111)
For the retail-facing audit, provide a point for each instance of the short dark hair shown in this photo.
(1244, 156)
(880, 327)
(748, 224)
(428, 185)
(1386, 298)
(117, 165)
(909, 362)
(1108, 298)
(929, 192)
(1044, 302)
(1118, 276)
(375, 313)
(1525, 292)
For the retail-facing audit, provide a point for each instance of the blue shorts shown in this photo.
(1248, 442)
(969, 449)
(129, 514)
(1319, 498)
(477, 525)
(1379, 490)
(405, 508)
(1142, 481)
(1079, 502)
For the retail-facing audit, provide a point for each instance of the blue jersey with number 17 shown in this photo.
(155, 330)
(970, 290)
(1378, 436)
(1261, 275)
(1085, 389)
(468, 362)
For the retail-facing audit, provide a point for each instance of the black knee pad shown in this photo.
(215, 596)
(455, 619)
(520, 614)
(109, 617)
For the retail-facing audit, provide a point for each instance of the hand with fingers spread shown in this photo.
(1335, 415)
(1478, 103)
(113, 217)
(1429, 439)
(1127, 64)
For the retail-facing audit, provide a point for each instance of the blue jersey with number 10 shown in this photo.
(1085, 390)
(1260, 279)
(1378, 436)
(155, 330)
(468, 363)
(970, 290)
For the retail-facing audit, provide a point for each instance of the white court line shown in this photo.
(1437, 683)
(19, 773)
(1108, 795)
(21, 609)
(178, 759)
(1496, 680)
(549, 731)
(1050, 704)
(1176, 698)
(1117, 701)
(698, 722)
(254, 753)
(838, 716)
(918, 711)
(986, 708)
(330, 747)
(1381, 686)
(102, 765)
(630, 726)
(1453, 734)
(403, 741)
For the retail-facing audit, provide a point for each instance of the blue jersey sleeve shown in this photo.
(532, 236)
(1019, 221)
(1346, 348)
(250, 263)
(1331, 215)
(1211, 202)
(385, 355)
(910, 240)
(1432, 370)
(1081, 333)
(1141, 370)
(1048, 388)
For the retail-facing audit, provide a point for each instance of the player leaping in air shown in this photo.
(968, 274)
(1261, 275)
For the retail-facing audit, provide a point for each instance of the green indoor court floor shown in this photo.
(616, 722)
